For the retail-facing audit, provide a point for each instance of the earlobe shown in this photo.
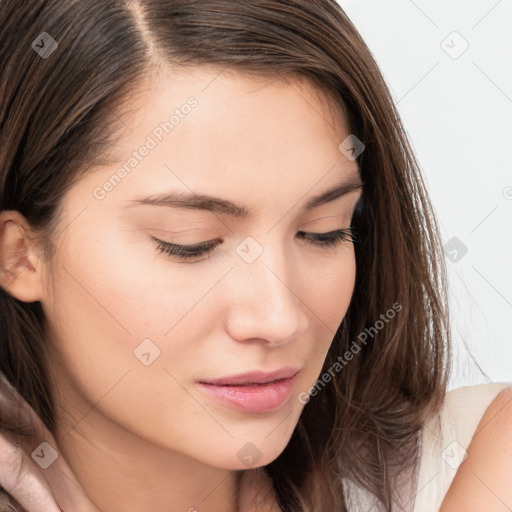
(20, 267)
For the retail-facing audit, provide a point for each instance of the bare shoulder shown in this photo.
(483, 480)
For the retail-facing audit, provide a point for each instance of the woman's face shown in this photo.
(134, 329)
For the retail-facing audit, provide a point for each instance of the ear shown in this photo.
(20, 265)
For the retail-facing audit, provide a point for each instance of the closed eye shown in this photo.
(322, 240)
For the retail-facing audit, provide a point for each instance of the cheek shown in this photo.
(331, 298)
(110, 315)
(108, 298)
(121, 284)
(334, 286)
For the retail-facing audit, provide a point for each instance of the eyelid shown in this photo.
(320, 241)
(206, 244)
(174, 233)
(191, 247)
(342, 217)
(339, 217)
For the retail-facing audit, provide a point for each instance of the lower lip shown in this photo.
(252, 398)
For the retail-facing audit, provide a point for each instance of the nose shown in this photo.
(267, 299)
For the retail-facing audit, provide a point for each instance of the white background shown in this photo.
(457, 111)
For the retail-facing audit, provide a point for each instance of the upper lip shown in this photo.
(254, 377)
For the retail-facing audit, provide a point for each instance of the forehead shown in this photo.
(204, 130)
(231, 100)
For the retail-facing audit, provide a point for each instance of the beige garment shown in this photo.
(441, 449)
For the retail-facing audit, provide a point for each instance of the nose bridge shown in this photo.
(266, 295)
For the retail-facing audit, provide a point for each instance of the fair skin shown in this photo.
(146, 437)
(134, 437)
(482, 481)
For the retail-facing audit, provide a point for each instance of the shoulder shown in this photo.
(462, 411)
(482, 481)
(445, 440)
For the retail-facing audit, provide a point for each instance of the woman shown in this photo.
(222, 279)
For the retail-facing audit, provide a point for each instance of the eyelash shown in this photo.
(322, 240)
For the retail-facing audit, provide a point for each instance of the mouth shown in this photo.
(244, 384)
(252, 397)
(254, 378)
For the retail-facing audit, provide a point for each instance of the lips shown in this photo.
(253, 392)
(256, 377)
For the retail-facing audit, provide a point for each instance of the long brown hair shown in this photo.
(56, 120)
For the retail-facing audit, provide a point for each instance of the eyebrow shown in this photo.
(192, 201)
